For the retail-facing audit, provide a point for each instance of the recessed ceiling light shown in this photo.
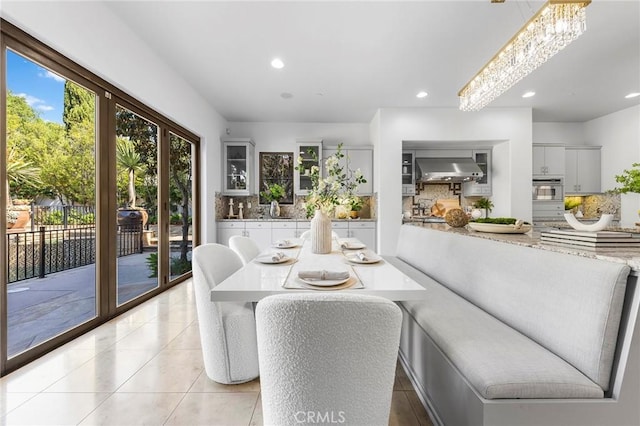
(277, 63)
(422, 94)
(632, 95)
(529, 94)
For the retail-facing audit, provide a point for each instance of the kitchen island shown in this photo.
(626, 255)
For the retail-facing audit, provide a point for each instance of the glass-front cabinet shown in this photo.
(408, 173)
(311, 153)
(482, 187)
(238, 166)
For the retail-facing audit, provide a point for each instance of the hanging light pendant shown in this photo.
(553, 27)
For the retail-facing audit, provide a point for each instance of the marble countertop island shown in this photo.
(627, 255)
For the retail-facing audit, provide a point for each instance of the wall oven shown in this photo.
(548, 189)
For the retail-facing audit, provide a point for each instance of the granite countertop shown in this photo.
(629, 256)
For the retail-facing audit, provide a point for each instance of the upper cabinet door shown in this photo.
(237, 167)
(363, 159)
(311, 154)
(548, 160)
(582, 171)
(357, 158)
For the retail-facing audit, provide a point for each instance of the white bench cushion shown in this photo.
(497, 360)
(569, 304)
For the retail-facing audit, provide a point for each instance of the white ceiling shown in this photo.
(344, 60)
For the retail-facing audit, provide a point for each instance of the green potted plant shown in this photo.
(355, 203)
(484, 207)
(630, 180)
(274, 193)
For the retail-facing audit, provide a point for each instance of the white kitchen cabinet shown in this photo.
(482, 187)
(260, 232)
(358, 158)
(341, 228)
(408, 173)
(227, 230)
(582, 170)
(302, 226)
(548, 160)
(365, 232)
(311, 153)
(237, 166)
(548, 210)
(283, 230)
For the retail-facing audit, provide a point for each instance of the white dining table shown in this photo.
(257, 280)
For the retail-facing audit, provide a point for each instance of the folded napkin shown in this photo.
(283, 243)
(323, 275)
(277, 256)
(344, 245)
(362, 256)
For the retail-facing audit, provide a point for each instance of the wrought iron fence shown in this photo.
(62, 217)
(37, 253)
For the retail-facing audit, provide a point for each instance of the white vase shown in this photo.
(320, 233)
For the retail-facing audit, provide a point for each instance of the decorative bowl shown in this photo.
(602, 223)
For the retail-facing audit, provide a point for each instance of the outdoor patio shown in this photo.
(40, 308)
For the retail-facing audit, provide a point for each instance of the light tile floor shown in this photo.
(145, 367)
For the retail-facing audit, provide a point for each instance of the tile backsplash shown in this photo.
(592, 206)
(427, 196)
(297, 210)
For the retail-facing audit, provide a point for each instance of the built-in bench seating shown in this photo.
(517, 335)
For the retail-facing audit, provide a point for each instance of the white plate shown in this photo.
(352, 246)
(371, 258)
(291, 245)
(499, 228)
(323, 283)
(267, 258)
(351, 282)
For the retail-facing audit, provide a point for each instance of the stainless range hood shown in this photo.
(447, 170)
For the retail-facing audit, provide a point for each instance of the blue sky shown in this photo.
(41, 88)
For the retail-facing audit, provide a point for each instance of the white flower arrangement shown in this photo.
(337, 188)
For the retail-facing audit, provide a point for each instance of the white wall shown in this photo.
(559, 133)
(512, 157)
(281, 137)
(91, 35)
(619, 135)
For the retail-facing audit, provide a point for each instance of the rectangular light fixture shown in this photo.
(552, 28)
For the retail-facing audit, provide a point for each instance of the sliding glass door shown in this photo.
(50, 193)
(136, 239)
(100, 194)
(181, 207)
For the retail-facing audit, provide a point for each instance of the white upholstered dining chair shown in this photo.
(227, 329)
(306, 235)
(245, 247)
(330, 356)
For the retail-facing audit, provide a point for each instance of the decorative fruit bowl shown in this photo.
(500, 225)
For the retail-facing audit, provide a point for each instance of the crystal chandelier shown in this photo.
(553, 27)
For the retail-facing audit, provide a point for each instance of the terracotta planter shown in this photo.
(21, 221)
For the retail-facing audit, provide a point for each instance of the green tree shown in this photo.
(20, 172)
(27, 133)
(181, 178)
(131, 162)
(79, 105)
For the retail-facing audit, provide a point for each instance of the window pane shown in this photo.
(180, 205)
(137, 177)
(51, 238)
